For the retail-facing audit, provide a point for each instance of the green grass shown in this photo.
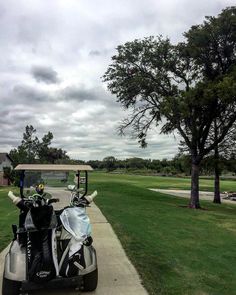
(163, 182)
(176, 250)
(8, 216)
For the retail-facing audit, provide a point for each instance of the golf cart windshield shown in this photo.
(33, 175)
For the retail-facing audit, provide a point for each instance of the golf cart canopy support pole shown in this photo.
(86, 182)
(22, 178)
(78, 180)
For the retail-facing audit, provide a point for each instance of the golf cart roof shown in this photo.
(53, 167)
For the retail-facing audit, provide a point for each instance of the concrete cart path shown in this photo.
(117, 276)
(209, 196)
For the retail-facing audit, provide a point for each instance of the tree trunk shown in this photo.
(217, 178)
(194, 200)
(217, 170)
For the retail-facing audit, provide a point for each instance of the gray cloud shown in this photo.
(79, 94)
(45, 74)
(29, 94)
(82, 94)
(95, 53)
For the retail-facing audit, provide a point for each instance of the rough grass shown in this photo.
(175, 249)
(8, 216)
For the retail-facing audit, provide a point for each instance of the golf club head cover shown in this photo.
(18, 201)
(90, 198)
(14, 199)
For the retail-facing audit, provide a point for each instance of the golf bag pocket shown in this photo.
(40, 252)
(40, 224)
(76, 262)
(71, 260)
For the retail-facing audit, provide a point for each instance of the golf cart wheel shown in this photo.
(90, 281)
(10, 287)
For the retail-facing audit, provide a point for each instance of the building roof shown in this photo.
(3, 157)
(53, 167)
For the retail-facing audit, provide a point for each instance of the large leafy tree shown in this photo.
(213, 43)
(213, 47)
(167, 84)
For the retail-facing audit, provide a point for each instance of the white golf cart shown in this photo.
(51, 248)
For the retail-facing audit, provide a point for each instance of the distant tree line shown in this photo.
(179, 165)
(33, 150)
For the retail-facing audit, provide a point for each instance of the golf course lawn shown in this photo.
(8, 216)
(176, 250)
(163, 182)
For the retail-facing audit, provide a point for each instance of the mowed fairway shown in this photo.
(163, 182)
(176, 250)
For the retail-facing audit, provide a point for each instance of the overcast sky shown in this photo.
(53, 54)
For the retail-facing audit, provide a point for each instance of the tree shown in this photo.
(213, 43)
(18, 155)
(30, 143)
(215, 160)
(8, 174)
(213, 47)
(182, 163)
(32, 150)
(26, 152)
(43, 147)
(164, 83)
(55, 155)
(109, 163)
(223, 150)
(136, 163)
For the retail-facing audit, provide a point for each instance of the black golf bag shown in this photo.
(40, 225)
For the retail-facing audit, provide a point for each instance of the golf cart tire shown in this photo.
(10, 287)
(90, 281)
